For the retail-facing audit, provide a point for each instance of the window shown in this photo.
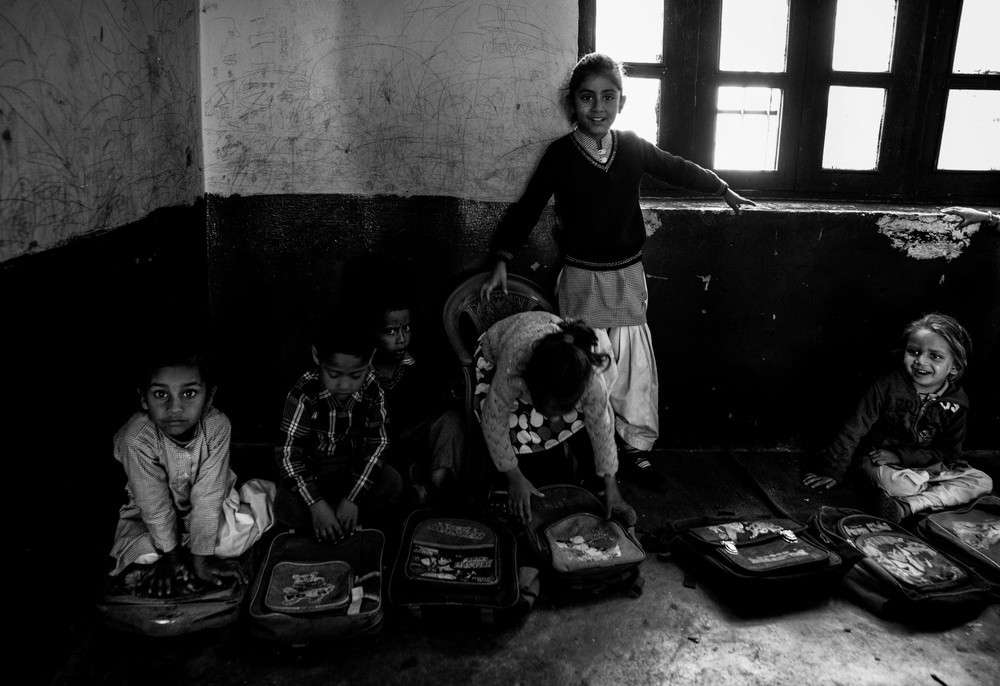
(873, 99)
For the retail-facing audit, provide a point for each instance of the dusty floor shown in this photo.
(672, 634)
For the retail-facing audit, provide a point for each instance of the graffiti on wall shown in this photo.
(98, 116)
(382, 96)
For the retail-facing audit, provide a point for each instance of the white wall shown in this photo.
(442, 97)
(98, 116)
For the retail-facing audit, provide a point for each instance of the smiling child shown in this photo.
(906, 434)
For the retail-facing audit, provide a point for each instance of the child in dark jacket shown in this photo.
(907, 431)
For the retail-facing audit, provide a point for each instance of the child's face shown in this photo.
(394, 337)
(596, 102)
(176, 399)
(342, 375)
(928, 360)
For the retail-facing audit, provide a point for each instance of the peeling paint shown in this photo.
(926, 237)
(651, 218)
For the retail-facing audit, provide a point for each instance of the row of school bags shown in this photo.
(470, 570)
(456, 569)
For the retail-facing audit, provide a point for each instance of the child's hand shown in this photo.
(347, 515)
(816, 481)
(969, 216)
(519, 492)
(168, 576)
(211, 569)
(326, 526)
(883, 457)
(734, 200)
(498, 278)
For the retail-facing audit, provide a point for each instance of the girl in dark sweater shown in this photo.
(594, 173)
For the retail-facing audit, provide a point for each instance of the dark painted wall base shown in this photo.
(767, 326)
(73, 319)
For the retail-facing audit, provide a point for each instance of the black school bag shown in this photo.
(308, 590)
(970, 534)
(461, 570)
(580, 554)
(757, 565)
(899, 576)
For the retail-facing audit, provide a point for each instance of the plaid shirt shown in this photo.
(315, 428)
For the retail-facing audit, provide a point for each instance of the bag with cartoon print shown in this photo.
(900, 576)
(461, 570)
(308, 590)
(970, 533)
(756, 565)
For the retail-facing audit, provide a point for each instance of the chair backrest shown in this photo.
(467, 315)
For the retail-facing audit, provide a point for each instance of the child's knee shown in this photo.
(899, 483)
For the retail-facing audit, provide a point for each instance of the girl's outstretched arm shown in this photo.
(972, 216)
(734, 200)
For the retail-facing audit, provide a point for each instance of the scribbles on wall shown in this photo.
(452, 97)
(98, 116)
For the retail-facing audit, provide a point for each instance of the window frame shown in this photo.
(919, 80)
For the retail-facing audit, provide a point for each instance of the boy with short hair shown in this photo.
(333, 437)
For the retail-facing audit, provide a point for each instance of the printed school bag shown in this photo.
(310, 590)
(898, 575)
(460, 570)
(970, 534)
(756, 565)
(120, 607)
(580, 554)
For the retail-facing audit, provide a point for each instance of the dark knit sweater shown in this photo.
(598, 205)
(893, 417)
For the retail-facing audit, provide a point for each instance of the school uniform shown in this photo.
(601, 233)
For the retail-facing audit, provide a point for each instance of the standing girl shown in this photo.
(594, 173)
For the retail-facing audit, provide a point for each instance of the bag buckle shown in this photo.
(730, 547)
(789, 536)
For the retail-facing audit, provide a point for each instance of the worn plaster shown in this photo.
(926, 236)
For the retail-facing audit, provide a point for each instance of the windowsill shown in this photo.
(801, 206)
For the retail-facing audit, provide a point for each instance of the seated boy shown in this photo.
(428, 437)
(333, 438)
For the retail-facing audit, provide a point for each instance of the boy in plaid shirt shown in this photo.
(333, 438)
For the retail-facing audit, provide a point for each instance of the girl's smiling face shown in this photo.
(928, 360)
(596, 103)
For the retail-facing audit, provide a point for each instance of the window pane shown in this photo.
(863, 35)
(971, 137)
(853, 128)
(642, 108)
(746, 128)
(754, 35)
(630, 30)
(976, 51)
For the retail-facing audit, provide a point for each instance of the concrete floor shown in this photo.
(672, 634)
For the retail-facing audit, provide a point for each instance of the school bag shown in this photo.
(970, 534)
(756, 565)
(120, 607)
(463, 571)
(899, 576)
(580, 554)
(308, 590)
